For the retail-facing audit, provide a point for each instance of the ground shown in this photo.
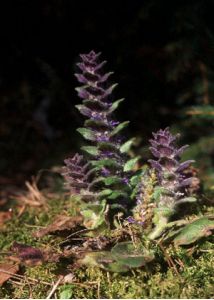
(182, 272)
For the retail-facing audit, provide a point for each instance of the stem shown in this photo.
(159, 228)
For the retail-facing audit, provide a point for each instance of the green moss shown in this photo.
(194, 277)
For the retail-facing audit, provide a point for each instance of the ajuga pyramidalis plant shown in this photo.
(106, 183)
(171, 180)
(107, 164)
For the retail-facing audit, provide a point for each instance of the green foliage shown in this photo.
(130, 164)
(66, 291)
(126, 146)
(194, 231)
(118, 128)
(91, 150)
(88, 134)
(122, 257)
(94, 215)
(115, 105)
(133, 256)
(156, 280)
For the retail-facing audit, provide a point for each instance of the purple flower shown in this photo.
(105, 172)
(167, 161)
(76, 173)
(113, 123)
(97, 107)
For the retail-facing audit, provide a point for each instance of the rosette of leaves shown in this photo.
(172, 187)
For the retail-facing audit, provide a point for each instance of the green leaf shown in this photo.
(194, 231)
(94, 103)
(126, 253)
(95, 123)
(96, 259)
(103, 260)
(135, 179)
(130, 164)
(94, 215)
(186, 200)
(82, 108)
(116, 267)
(113, 180)
(88, 134)
(106, 146)
(105, 163)
(158, 191)
(105, 192)
(163, 211)
(79, 88)
(66, 291)
(114, 195)
(126, 146)
(119, 128)
(115, 105)
(111, 88)
(91, 150)
(120, 259)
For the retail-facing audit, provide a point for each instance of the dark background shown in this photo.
(162, 53)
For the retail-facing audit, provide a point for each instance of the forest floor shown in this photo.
(32, 264)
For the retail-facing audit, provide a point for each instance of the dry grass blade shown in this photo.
(33, 196)
(168, 258)
(55, 287)
(22, 277)
(62, 223)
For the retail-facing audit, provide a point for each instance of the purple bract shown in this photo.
(167, 162)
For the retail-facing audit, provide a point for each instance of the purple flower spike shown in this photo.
(167, 161)
(76, 174)
(173, 184)
(101, 128)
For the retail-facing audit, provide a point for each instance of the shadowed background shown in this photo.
(161, 53)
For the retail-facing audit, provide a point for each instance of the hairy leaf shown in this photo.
(194, 231)
(130, 164)
(88, 134)
(131, 255)
(126, 146)
(94, 215)
(91, 150)
(105, 163)
(115, 105)
(120, 127)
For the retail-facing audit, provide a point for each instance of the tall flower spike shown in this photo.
(171, 179)
(101, 129)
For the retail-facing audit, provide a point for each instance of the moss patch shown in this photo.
(190, 275)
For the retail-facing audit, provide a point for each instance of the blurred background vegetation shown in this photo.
(162, 53)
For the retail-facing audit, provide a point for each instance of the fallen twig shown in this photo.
(54, 287)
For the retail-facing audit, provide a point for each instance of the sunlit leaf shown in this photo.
(126, 146)
(91, 150)
(194, 231)
(88, 134)
(130, 164)
(118, 128)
